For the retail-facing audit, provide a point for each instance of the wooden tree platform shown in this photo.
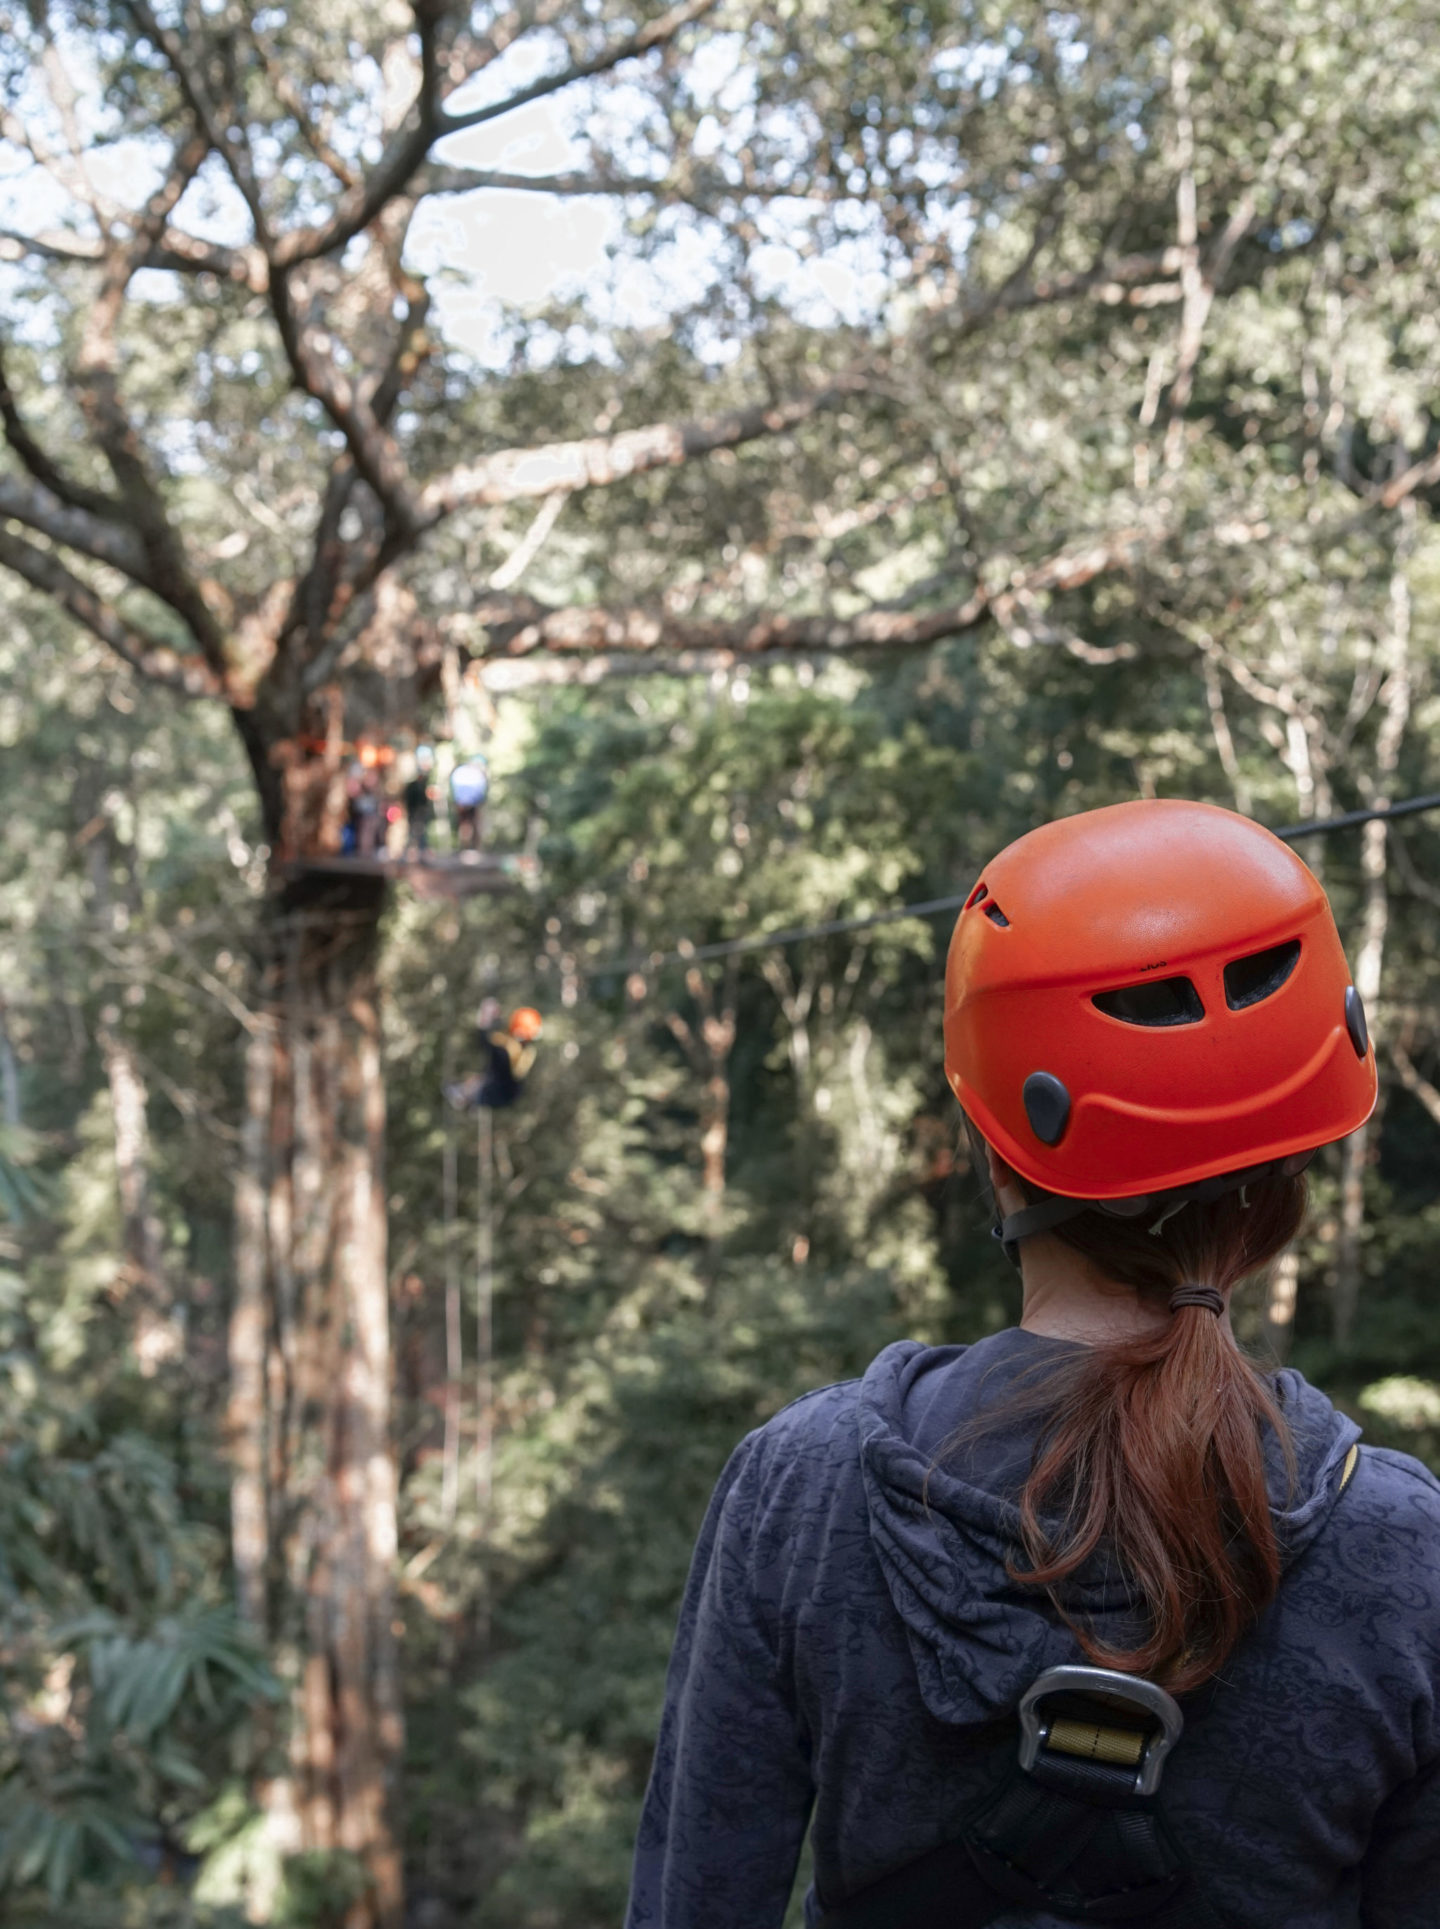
(439, 874)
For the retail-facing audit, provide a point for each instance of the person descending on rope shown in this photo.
(1092, 1620)
(469, 788)
(508, 1056)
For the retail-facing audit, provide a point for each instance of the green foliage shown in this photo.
(318, 1890)
(1402, 1411)
(128, 1684)
(21, 1193)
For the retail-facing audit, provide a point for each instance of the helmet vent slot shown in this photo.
(1250, 980)
(981, 891)
(1159, 1001)
(997, 916)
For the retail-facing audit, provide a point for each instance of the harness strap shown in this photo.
(1074, 1831)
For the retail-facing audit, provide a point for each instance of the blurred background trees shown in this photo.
(977, 414)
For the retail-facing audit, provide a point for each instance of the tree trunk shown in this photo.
(314, 1495)
(1281, 1293)
(1358, 1149)
(155, 1330)
(709, 1053)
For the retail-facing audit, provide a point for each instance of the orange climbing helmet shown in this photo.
(526, 1024)
(1142, 998)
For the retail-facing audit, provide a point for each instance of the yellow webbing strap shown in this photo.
(1123, 1746)
(1352, 1460)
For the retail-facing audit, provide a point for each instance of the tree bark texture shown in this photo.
(314, 1497)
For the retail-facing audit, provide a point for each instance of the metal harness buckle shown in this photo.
(1119, 1745)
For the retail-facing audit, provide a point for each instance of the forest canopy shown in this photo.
(964, 416)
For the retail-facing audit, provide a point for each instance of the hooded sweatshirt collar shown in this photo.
(944, 1522)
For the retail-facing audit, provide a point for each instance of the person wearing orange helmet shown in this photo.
(1091, 1620)
(509, 1056)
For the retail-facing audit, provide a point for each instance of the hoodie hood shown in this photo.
(942, 1533)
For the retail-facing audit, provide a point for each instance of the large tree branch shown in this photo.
(518, 626)
(106, 541)
(324, 592)
(48, 473)
(437, 178)
(373, 450)
(513, 475)
(185, 254)
(43, 570)
(168, 572)
(175, 251)
(656, 34)
(688, 185)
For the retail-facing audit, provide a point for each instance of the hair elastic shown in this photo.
(1188, 1293)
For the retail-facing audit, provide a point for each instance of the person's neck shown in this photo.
(1067, 1298)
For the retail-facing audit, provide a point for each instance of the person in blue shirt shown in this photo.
(1092, 1619)
(469, 788)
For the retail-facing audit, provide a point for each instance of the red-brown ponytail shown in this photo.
(1155, 1450)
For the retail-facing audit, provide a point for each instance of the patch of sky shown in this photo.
(159, 287)
(180, 445)
(498, 249)
(720, 77)
(34, 198)
(536, 55)
(31, 317)
(1070, 48)
(212, 209)
(31, 202)
(937, 164)
(546, 347)
(624, 123)
(979, 66)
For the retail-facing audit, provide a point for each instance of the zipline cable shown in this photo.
(934, 907)
(1319, 826)
(484, 1314)
(769, 940)
(454, 1344)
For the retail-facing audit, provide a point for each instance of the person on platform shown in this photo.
(469, 788)
(418, 798)
(1094, 1619)
(366, 793)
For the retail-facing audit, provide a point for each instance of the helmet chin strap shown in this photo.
(1052, 1209)
(1044, 1216)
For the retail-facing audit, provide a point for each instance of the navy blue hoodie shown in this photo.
(850, 1646)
